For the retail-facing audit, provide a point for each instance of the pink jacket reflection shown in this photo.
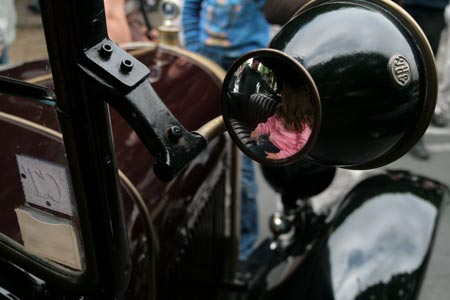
(288, 141)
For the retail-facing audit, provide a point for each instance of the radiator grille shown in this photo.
(198, 268)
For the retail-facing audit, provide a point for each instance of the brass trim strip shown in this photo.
(212, 129)
(216, 69)
(21, 122)
(39, 79)
(152, 242)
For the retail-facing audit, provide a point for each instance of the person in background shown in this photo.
(252, 81)
(429, 14)
(223, 30)
(116, 21)
(34, 7)
(441, 114)
(8, 19)
(250, 78)
(125, 23)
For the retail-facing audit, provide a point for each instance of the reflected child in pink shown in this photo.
(289, 128)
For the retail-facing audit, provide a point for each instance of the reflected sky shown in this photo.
(374, 244)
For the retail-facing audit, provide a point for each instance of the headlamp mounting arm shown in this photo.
(125, 87)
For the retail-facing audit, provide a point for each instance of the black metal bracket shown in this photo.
(114, 65)
(123, 78)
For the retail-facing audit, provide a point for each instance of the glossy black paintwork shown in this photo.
(377, 245)
(346, 47)
(299, 180)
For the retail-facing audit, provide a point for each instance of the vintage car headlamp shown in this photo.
(170, 28)
(169, 9)
(369, 79)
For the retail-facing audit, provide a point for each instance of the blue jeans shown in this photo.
(4, 58)
(249, 187)
(224, 61)
(261, 149)
(249, 208)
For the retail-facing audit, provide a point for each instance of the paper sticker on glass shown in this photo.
(45, 184)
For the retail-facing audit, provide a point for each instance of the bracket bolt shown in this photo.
(174, 133)
(106, 50)
(126, 66)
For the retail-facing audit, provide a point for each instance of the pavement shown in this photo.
(29, 44)
(436, 285)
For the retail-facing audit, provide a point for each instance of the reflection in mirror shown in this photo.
(269, 107)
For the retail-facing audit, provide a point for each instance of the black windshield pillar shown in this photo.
(70, 28)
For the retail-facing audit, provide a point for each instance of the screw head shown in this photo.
(126, 66)
(106, 50)
(174, 133)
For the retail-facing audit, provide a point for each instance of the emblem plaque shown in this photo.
(400, 70)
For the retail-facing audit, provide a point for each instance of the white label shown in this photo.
(49, 237)
(45, 184)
